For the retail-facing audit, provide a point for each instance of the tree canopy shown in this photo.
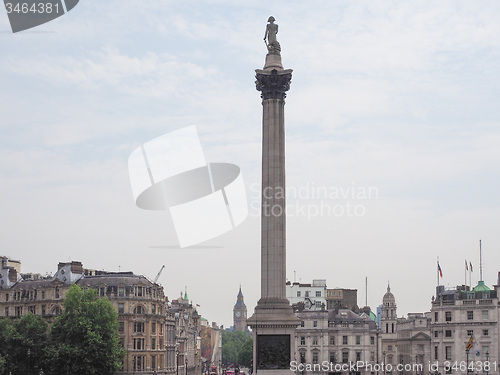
(84, 338)
(232, 345)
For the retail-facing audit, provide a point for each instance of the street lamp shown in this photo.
(186, 365)
(383, 364)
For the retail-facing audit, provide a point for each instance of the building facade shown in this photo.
(157, 337)
(309, 295)
(460, 316)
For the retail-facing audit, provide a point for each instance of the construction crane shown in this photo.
(158, 274)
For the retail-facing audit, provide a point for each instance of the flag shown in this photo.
(466, 266)
(470, 344)
(197, 305)
(440, 271)
(470, 263)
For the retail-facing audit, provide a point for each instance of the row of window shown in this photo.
(125, 291)
(139, 362)
(141, 309)
(345, 340)
(485, 315)
(30, 294)
(140, 343)
(18, 310)
(484, 351)
(308, 293)
(470, 332)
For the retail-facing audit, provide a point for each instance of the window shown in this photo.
(486, 332)
(138, 362)
(57, 292)
(43, 310)
(358, 340)
(392, 328)
(315, 340)
(6, 311)
(121, 308)
(31, 309)
(436, 316)
(332, 340)
(302, 324)
(161, 328)
(7, 297)
(138, 291)
(372, 356)
(102, 291)
(389, 348)
(470, 332)
(317, 304)
(436, 333)
(56, 310)
(139, 310)
(436, 350)
(160, 343)
(153, 309)
(358, 356)
(138, 326)
(389, 359)
(302, 357)
(448, 353)
(153, 362)
(121, 327)
(121, 291)
(448, 316)
(298, 293)
(315, 357)
(315, 323)
(372, 340)
(344, 340)
(153, 327)
(448, 333)
(307, 293)
(485, 315)
(470, 315)
(43, 294)
(332, 357)
(345, 357)
(302, 340)
(139, 344)
(19, 310)
(318, 293)
(485, 351)
(153, 343)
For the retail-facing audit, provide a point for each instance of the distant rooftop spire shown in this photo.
(186, 294)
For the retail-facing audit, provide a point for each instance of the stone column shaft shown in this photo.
(273, 217)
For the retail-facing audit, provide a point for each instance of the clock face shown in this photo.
(238, 314)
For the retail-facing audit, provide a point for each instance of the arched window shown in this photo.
(139, 310)
(56, 310)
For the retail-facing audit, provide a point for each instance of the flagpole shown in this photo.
(437, 270)
(480, 262)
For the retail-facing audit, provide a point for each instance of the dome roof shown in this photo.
(389, 297)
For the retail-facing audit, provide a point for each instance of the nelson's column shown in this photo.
(273, 323)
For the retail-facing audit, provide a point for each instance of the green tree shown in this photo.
(245, 355)
(84, 338)
(23, 343)
(232, 342)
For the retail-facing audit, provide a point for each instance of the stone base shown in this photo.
(273, 61)
(273, 325)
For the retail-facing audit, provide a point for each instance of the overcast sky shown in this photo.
(398, 99)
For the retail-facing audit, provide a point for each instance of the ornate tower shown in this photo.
(240, 313)
(273, 323)
(389, 317)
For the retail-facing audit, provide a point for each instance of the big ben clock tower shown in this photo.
(240, 314)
